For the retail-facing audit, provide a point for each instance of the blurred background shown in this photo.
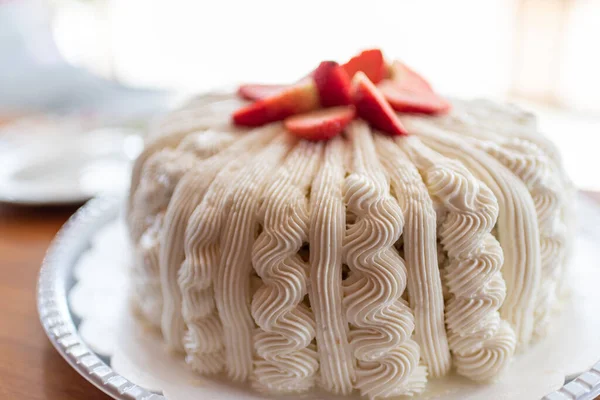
(71, 67)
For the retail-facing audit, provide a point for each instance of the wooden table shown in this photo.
(30, 368)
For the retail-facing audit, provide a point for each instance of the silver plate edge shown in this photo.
(53, 309)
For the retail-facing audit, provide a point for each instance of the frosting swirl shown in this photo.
(188, 193)
(517, 228)
(420, 252)
(286, 360)
(381, 323)
(475, 255)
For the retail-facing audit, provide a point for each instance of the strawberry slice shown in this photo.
(404, 100)
(372, 106)
(296, 99)
(333, 84)
(257, 91)
(370, 62)
(408, 78)
(320, 124)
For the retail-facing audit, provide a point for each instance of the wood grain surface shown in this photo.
(30, 368)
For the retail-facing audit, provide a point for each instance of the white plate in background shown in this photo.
(68, 169)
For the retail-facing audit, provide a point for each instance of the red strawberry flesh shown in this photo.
(373, 108)
(296, 99)
(370, 62)
(333, 84)
(404, 100)
(320, 124)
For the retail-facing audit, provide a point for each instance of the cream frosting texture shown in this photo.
(363, 263)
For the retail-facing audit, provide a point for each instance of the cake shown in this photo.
(384, 251)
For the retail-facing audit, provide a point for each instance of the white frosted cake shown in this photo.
(365, 259)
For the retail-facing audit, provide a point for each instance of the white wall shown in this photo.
(463, 46)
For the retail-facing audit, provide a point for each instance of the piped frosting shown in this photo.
(363, 263)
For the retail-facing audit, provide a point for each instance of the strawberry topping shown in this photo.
(373, 108)
(405, 100)
(371, 62)
(320, 124)
(295, 99)
(333, 84)
(322, 104)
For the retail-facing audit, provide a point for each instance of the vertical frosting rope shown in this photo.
(505, 125)
(517, 227)
(154, 168)
(146, 277)
(232, 280)
(151, 192)
(139, 167)
(285, 359)
(203, 340)
(533, 167)
(187, 195)
(420, 250)
(381, 323)
(161, 174)
(535, 163)
(327, 229)
(482, 343)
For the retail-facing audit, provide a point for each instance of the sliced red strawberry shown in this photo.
(370, 62)
(258, 91)
(296, 99)
(408, 78)
(333, 84)
(320, 124)
(404, 100)
(372, 106)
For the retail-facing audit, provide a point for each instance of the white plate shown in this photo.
(67, 169)
(87, 261)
